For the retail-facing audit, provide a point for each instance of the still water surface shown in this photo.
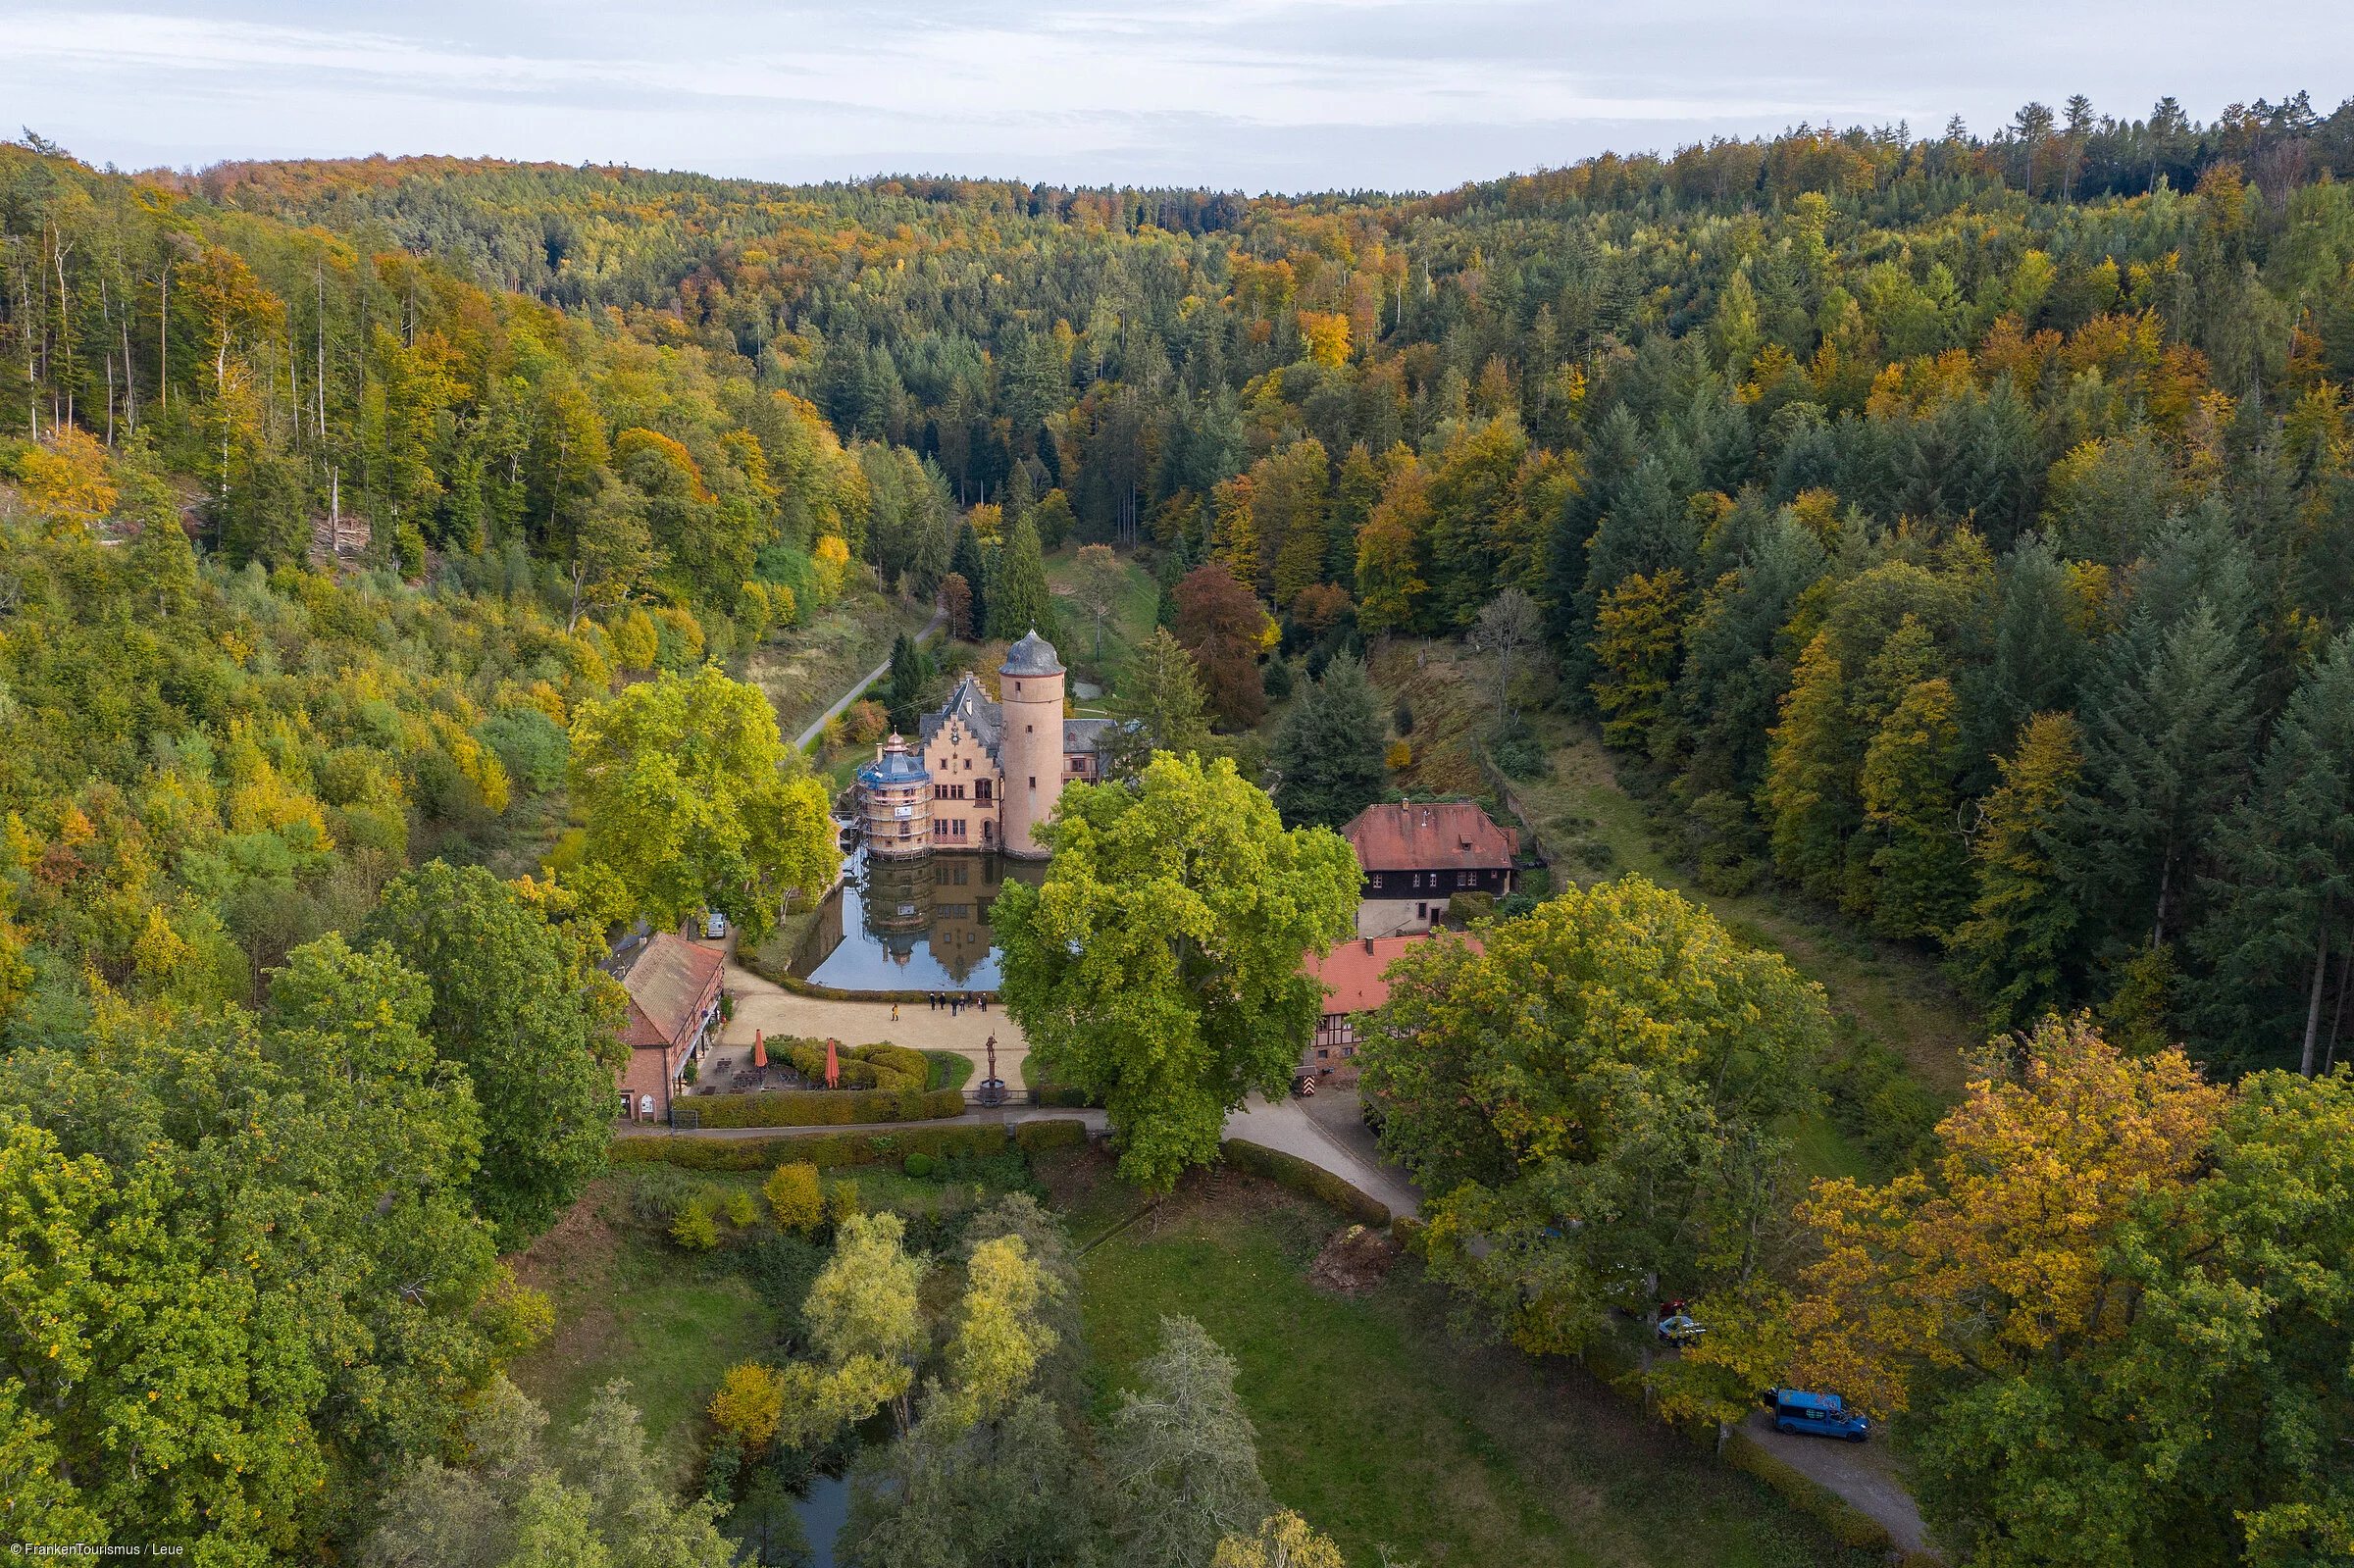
(912, 924)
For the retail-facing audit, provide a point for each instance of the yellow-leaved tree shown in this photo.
(1998, 1256)
(695, 802)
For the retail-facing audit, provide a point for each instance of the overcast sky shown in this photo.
(1257, 94)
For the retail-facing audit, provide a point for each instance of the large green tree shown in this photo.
(1158, 965)
(1593, 1094)
(1329, 750)
(695, 802)
(533, 1026)
(1019, 601)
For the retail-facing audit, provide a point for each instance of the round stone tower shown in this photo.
(1030, 751)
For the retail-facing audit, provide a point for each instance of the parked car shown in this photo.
(1681, 1331)
(1818, 1415)
(715, 928)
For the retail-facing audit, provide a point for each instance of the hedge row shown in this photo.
(1289, 1170)
(1848, 1526)
(832, 1150)
(825, 1107)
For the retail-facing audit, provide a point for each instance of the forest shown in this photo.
(1955, 532)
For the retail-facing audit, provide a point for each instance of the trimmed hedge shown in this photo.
(1036, 1138)
(1848, 1526)
(1290, 1170)
(830, 1150)
(825, 1107)
(882, 1066)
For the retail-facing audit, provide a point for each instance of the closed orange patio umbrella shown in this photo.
(833, 1066)
(759, 1049)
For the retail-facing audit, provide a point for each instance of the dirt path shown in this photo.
(940, 617)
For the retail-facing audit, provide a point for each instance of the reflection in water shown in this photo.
(824, 1509)
(911, 924)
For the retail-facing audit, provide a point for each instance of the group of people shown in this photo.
(956, 1001)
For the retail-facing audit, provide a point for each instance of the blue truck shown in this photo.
(1818, 1415)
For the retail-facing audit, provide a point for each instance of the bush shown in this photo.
(919, 1165)
(1400, 755)
(1518, 756)
(883, 1066)
(1465, 908)
(742, 1210)
(694, 1228)
(841, 1201)
(1313, 1180)
(794, 1197)
(530, 746)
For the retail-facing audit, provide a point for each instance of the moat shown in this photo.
(911, 924)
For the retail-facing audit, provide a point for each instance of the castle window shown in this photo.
(1034, 781)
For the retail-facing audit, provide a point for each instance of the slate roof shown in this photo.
(897, 766)
(1033, 655)
(1078, 735)
(1439, 835)
(1352, 973)
(670, 981)
(971, 705)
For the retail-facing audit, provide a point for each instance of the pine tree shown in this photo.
(2288, 889)
(2165, 753)
(2016, 954)
(1018, 600)
(1329, 751)
(1356, 491)
(966, 562)
(1907, 787)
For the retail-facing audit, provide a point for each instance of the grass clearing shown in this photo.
(630, 1305)
(1384, 1428)
(1126, 626)
(806, 669)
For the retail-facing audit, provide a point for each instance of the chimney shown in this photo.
(1368, 946)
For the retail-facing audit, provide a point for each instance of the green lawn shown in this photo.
(1129, 623)
(1386, 1429)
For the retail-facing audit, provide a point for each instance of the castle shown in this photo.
(981, 775)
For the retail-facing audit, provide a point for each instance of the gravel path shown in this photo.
(1862, 1473)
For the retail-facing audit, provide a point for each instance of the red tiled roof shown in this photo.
(670, 983)
(1352, 973)
(1443, 835)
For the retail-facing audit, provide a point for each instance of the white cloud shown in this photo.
(1290, 93)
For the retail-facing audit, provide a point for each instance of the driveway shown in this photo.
(1862, 1474)
(1286, 1124)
